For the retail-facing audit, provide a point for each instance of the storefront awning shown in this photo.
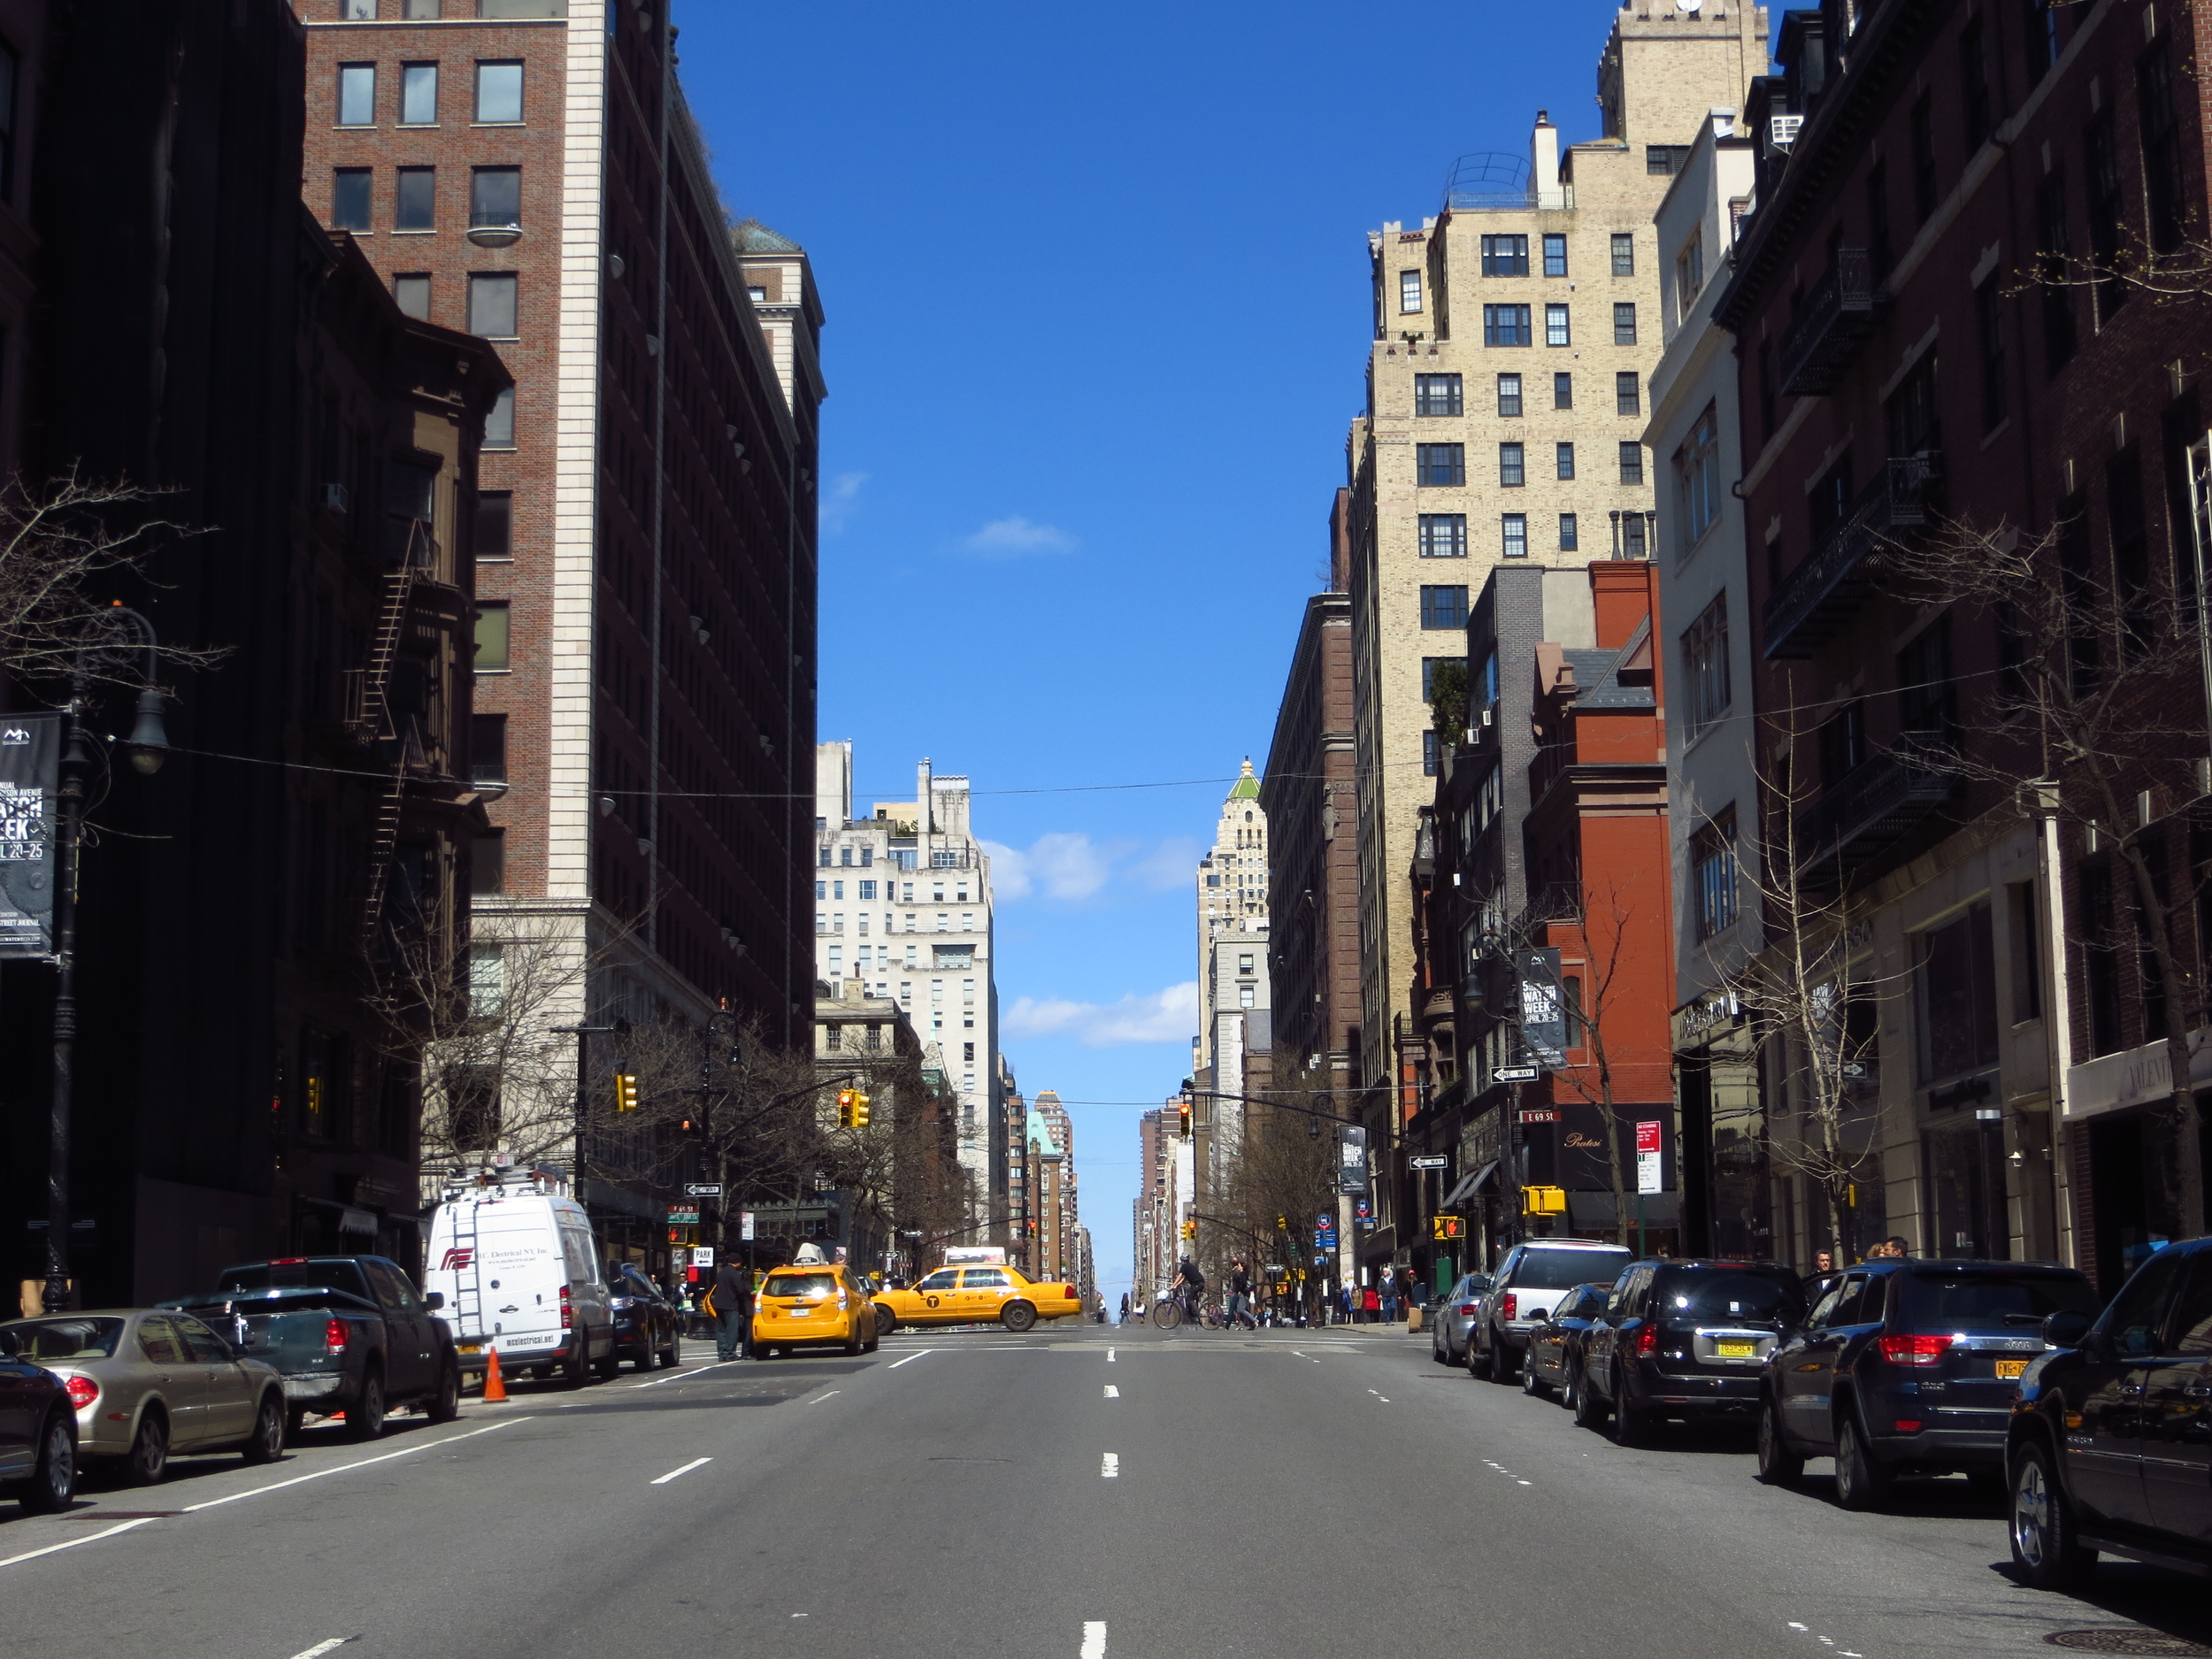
(1469, 1186)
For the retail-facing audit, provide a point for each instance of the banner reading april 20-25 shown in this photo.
(30, 776)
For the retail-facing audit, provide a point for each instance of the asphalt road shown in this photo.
(1076, 1492)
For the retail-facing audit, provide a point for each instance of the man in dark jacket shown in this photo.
(732, 1311)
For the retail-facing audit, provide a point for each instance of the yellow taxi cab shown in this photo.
(977, 1295)
(817, 1305)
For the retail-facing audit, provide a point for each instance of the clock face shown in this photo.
(1687, 5)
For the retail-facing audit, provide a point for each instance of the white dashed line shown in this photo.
(1110, 1466)
(92, 1537)
(1112, 1393)
(680, 1375)
(820, 1398)
(279, 1485)
(1094, 1639)
(322, 1648)
(1110, 1357)
(893, 1365)
(662, 1480)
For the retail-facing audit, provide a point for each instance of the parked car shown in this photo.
(1556, 1356)
(352, 1335)
(1910, 1368)
(1685, 1339)
(1451, 1316)
(647, 1327)
(1529, 1284)
(511, 1259)
(2109, 1444)
(819, 1305)
(147, 1383)
(38, 1429)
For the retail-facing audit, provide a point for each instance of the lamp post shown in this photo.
(148, 747)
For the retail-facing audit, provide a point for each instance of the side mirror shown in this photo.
(433, 1300)
(2067, 1330)
(9, 1346)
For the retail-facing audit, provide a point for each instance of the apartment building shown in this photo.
(903, 904)
(1514, 335)
(527, 170)
(1231, 877)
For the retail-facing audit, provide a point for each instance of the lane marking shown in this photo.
(90, 1538)
(1110, 1466)
(321, 1647)
(1093, 1638)
(820, 1398)
(1110, 1357)
(662, 1480)
(1528, 1483)
(404, 1451)
(679, 1376)
(908, 1360)
(1112, 1393)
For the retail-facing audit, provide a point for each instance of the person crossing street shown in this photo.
(732, 1296)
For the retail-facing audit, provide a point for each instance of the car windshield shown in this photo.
(45, 1339)
(306, 1298)
(1730, 1292)
(337, 1274)
(806, 1284)
(1560, 1270)
(1995, 1301)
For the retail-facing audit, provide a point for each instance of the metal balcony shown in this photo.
(1821, 343)
(1869, 810)
(1813, 601)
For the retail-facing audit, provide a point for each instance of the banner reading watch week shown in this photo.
(30, 777)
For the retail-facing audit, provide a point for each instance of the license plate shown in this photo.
(2011, 1370)
(1736, 1350)
(469, 1347)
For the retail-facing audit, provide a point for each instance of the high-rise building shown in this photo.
(1513, 333)
(644, 516)
(1233, 979)
(903, 904)
(1232, 877)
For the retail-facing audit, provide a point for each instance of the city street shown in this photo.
(1080, 1491)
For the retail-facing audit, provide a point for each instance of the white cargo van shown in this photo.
(512, 1255)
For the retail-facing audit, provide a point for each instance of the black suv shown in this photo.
(38, 1432)
(1909, 1367)
(1685, 1339)
(2110, 1442)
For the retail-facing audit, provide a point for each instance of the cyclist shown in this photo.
(1239, 1294)
(1190, 1283)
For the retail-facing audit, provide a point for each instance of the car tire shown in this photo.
(1780, 1462)
(267, 1443)
(576, 1369)
(53, 1484)
(1018, 1316)
(364, 1417)
(1572, 1391)
(607, 1369)
(445, 1405)
(149, 1454)
(1503, 1371)
(1589, 1410)
(887, 1321)
(1531, 1383)
(1861, 1484)
(1481, 1359)
(1629, 1424)
(672, 1356)
(2047, 1552)
(294, 1420)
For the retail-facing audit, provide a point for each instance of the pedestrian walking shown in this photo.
(1240, 1293)
(1369, 1304)
(1390, 1298)
(733, 1295)
(1125, 1307)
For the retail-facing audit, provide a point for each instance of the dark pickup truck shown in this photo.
(350, 1334)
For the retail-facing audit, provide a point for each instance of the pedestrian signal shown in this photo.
(1446, 1226)
(1544, 1200)
(625, 1092)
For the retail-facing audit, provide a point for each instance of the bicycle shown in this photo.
(1174, 1307)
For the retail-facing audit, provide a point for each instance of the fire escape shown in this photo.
(370, 721)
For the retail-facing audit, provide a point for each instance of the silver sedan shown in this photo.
(1447, 1337)
(149, 1382)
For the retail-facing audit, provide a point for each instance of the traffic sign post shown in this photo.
(1650, 1174)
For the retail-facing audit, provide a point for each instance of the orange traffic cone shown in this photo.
(495, 1390)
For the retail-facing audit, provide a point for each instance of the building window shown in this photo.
(1505, 325)
(415, 199)
(1408, 291)
(1443, 464)
(1555, 254)
(1923, 160)
(492, 304)
(499, 425)
(1569, 536)
(2054, 256)
(1562, 389)
(1628, 397)
(1973, 85)
(1878, 256)
(488, 864)
(1957, 998)
(499, 93)
(418, 95)
(1513, 528)
(488, 749)
(495, 197)
(1505, 255)
(1689, 272)
(1556, 332)
(1697, 473)
(1436, 395)
(1634, 536)
(1713, 873)
(349, 198)
(495, 524)
(1432, 757)
(1564, 461)
(1625, 323)
(411, 294)
(1444, 607)
(422, 11)
(1429, 665)
(491, 637)
(2164, 179)
(1623, 253)
(2042, 37)
(2108, 209)
(1508, 395)
(357, 94)
(1443, 535)
(1632, 462)
(1705, 665)
(1927, 702)
(1989, 331)
(1663, 160)
(1512, 469)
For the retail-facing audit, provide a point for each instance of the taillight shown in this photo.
(1068, 1291)
(1646, 1341)
(82, 1392)
(1511, 1307)
(564, 1307)
(1908, 1425)
(1468, 1309)
(334, 1335)
(1913, 1350)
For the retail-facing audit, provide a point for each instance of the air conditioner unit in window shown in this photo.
(334, 498)
(1782, 130)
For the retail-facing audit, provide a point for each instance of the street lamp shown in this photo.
(148, 746)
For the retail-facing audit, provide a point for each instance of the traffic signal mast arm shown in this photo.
(1278, 1105)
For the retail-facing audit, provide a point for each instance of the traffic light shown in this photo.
(860, 1110)
(1190, 1230)
(1544, 1200)
(1282, 1224)
(1446, 1226)
(625, 1092)
(1182, 1115)
(844, 1108)
(691, 1127)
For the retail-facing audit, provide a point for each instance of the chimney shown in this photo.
(1544, 147)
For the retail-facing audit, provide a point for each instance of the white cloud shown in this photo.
(1168, 1015)
(842, 501)
(1062, 866)
(1173, 863)
(1013, 536)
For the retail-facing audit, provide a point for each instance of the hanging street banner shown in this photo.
(1351, 1174)
(1543, 1020)
(30, 778)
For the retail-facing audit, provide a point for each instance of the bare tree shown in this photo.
(1286, 1176)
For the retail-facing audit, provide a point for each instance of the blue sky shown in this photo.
(1096, 287)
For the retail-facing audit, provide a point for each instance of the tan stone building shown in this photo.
(1513, 333)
